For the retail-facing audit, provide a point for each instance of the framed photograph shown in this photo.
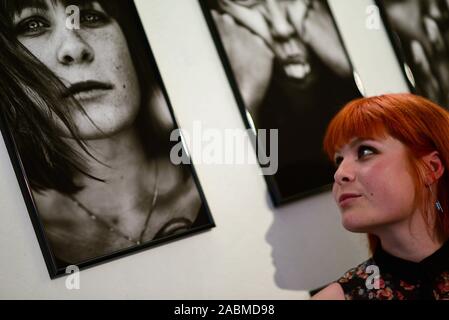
(419, 32)
(290, 72)
(87, 122)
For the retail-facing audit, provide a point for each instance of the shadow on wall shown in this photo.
(310, 248)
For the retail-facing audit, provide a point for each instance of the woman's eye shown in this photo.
(31, 26)
(93, 18)
(364, 151)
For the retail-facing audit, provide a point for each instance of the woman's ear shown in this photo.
(434, 164)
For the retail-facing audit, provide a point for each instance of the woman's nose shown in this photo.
(345, 173)
(280, 26)
(74, 49)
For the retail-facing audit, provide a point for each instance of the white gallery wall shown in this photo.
(256, 251)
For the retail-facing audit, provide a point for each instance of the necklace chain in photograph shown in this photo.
(111, 228)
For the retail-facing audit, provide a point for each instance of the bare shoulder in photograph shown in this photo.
(89, 123)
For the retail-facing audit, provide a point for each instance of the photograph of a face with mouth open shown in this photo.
(289, 70)
(87, 123)
(419, 30)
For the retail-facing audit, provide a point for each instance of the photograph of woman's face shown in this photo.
(277, 23)
(87, 113)
(280, 56)
(367, 179)
(93, 62)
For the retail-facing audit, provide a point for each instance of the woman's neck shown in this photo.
(128, 175)
(410, 239)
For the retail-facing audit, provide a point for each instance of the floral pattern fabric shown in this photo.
(385, 277)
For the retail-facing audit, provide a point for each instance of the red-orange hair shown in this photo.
(421, 125)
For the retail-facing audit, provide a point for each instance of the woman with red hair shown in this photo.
(390, 182)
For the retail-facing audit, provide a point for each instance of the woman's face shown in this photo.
(277, 23)
(93, 62)
(373, 186)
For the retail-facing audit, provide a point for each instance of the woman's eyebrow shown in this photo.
(32, 4)
(353, 143)
(358, 141)
(19, 5)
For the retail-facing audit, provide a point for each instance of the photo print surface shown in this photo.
(87, 124)
(289, 69)
(419, 31)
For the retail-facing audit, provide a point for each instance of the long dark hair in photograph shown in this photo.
(31, 100)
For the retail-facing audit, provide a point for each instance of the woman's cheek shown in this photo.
(39, 48)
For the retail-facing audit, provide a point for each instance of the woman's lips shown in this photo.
(86, 90)
(295, 66)
(297, 71)
(347, 198)
(89, 95)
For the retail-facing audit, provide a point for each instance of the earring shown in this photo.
(437, 202)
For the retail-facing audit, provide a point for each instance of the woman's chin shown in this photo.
(97, 129)
(356, 229)
(355, 224)
(97, 126)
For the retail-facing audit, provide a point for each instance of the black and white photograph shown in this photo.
(289, 69)
(87, 122)
(419, 30)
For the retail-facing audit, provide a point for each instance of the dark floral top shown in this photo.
(386, 277)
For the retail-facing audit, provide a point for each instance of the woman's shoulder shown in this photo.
(178, 185)
(360, 272)
(334, 291)
(46, 202)
(351, 280)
